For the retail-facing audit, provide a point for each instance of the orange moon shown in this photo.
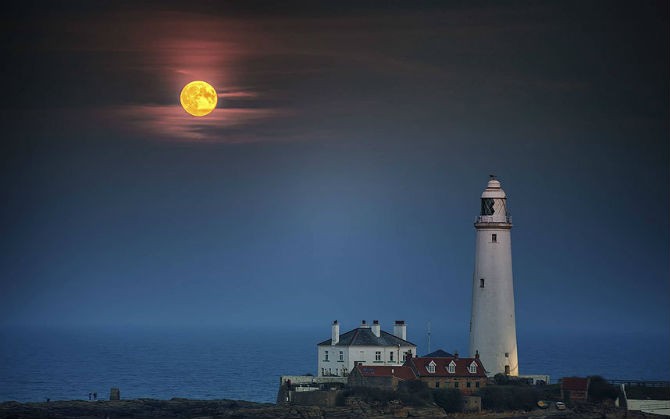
(198, 98)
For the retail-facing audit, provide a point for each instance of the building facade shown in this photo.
(575, 389)
(465, 374)
(438, 372)
(492, 323)
(365, 345)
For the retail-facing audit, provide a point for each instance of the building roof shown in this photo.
(363, 336)
(462, 367)
(575, 383)
(402, 373)
(438, 354)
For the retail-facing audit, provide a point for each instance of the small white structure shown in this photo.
(657, 407)
(364, 345)
(492, 324)
(536, 379)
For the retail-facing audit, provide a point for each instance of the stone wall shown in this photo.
(386, 383)
(432, 383)
(314, 398)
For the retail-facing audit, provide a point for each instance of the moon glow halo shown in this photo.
(198, 98)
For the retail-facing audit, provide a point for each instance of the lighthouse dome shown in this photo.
(493, 190)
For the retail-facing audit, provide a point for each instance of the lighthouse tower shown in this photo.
(492, 324)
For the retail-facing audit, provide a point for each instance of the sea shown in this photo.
(68, 364)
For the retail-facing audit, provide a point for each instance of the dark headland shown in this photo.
(219, 409)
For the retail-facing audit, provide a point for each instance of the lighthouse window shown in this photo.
(494, 238)
(487, 206)
(481, 283)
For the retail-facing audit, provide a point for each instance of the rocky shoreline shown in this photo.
(221, 409)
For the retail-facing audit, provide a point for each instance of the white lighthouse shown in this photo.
(492, 324)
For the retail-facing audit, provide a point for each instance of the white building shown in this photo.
(366, 345)
(492, 324)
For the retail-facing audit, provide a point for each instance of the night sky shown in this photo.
(340, 175)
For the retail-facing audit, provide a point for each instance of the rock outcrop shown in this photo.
(222, 409)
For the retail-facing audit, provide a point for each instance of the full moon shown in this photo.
(198, 98)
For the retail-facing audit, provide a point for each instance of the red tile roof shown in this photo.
(403, 373)
(575, 383)
(420, 367)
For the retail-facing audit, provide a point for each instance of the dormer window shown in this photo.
(452, 367)
(431, 367)
(473, 367)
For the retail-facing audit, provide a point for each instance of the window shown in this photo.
(431, 367)
(506, 354)
(437, 384)
(487, 206)
(456, 384)
(481, 282)
(467, 384)
(325, 356)
(323, 371)
(506, 369)
(391, 356)
(378, 356)
(473, 367)
(477, 384)
(341, 356)
(494, 238)
(404, 357)
(452, 367)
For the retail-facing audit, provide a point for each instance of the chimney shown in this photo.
(376, 328)
(455, 354)
(476, 354)
(336, 333)
(364, 323)
(400, 329)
